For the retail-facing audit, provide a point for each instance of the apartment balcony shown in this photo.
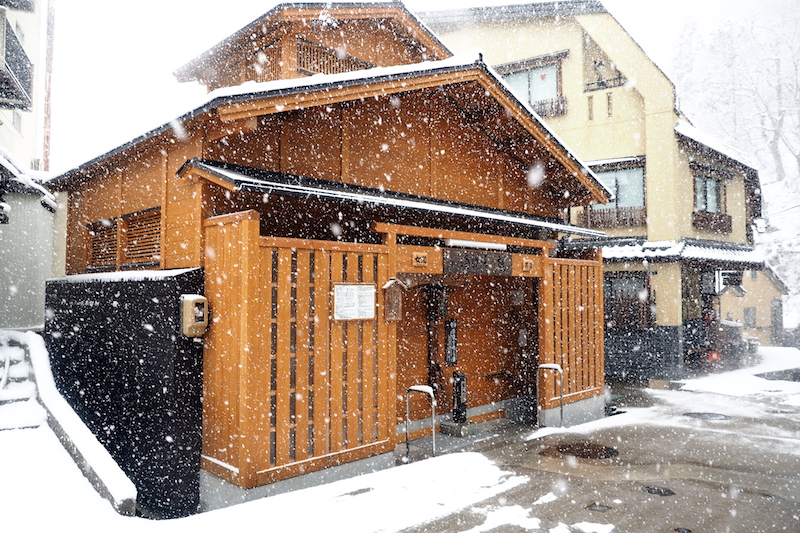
(16, 69)
(605, 83)
(550, 108)
(716, 222)
(614, 217)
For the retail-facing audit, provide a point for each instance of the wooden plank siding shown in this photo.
(570, 332)
(288, 389)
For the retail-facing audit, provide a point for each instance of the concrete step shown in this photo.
(19, 371)
(17, 392)
(22, 415)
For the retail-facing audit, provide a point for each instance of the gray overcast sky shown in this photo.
(113, 62)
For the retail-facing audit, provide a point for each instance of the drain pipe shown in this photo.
(557, 368)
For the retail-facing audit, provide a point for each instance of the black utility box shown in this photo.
(120, 359)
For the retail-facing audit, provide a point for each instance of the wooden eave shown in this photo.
(484, 102)
(233, 177)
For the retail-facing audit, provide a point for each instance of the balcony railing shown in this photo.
(313, 58)
(605, 84)
(614, 217)
(716, 222)
(15, 74)
(551, 108)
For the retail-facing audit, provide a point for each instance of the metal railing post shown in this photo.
(557, 368)
(428, 391)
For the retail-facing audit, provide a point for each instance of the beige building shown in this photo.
(756, 305)
(685, 205)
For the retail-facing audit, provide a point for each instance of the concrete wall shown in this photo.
(26, 244)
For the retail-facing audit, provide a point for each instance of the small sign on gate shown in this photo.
(353, 302)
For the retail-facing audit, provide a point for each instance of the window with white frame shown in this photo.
(537, 81)
(708, 194)
(627, 184)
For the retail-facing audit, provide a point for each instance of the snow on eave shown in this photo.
(710, 142)
(776, 278)
(615, 161)
(684, 249)
(447, 18)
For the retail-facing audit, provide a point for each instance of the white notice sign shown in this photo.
(353, 302)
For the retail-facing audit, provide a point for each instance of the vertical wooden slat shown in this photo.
(598, 307)
(322, 389)
(583, 346)
(336, 361)
(387, 349)
(574, 318)
(354, 344)
(302, 353)
(558, 329)
(284, 355)
(260, 361)
(369, 356)
(243, 268)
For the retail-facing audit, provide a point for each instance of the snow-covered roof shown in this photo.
(690, 132)
(258, 180)
(23, 180)
(319, 83)
(442, 20)
(227, 45)
(685, 249)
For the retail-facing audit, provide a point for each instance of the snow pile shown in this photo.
(746, 381)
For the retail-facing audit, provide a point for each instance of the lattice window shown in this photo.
(103, 247)
(141, 238)
(313, 58)
(132, 241)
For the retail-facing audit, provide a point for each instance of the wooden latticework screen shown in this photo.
(288, 388)
(571, 329)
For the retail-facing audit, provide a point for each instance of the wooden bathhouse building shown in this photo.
(370, 214)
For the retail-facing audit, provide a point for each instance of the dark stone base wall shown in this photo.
(656, 353)
(120, 360)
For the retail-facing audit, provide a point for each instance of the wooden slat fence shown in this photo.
(308, 391)
(571, 329)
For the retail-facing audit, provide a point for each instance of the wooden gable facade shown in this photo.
(360, 233)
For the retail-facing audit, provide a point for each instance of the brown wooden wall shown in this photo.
(288, 389)
(416, 143)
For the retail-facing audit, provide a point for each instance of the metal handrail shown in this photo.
(557, 368)
(427, 390)
(5, 370)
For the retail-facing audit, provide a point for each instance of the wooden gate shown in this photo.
(288, 389)
(571, 329)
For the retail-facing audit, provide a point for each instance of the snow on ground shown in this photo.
(41, 489)
(745, 381)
